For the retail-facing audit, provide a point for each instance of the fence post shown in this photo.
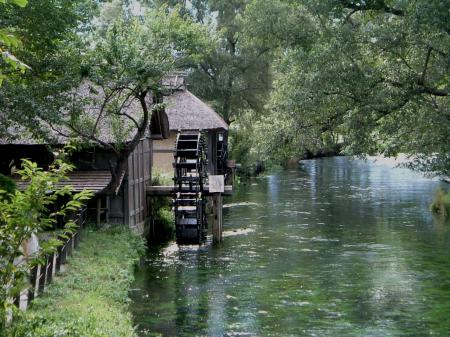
(33, 278)
(49, 268)
(41, 282)
(75, 239)
(69, 247)
(58, 259)
(17, 301)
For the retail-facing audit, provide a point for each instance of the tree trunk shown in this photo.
(118, 169)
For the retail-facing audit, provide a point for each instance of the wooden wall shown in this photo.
(163, 155)
(139, 176)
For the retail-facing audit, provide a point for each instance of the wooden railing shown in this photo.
(42, 275)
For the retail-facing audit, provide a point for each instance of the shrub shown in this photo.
(441, 203)
(7, 184)
(27, 213)
(163, 221)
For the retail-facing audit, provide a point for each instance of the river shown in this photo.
(337, 247)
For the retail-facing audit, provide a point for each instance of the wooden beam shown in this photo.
(169, 190)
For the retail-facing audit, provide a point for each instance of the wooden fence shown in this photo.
(42, 275)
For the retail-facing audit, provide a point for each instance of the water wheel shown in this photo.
(190, 175)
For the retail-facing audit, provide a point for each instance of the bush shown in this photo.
(7, 184)
(163, 221)
(91, 297)
(441, 203)
(27, 213)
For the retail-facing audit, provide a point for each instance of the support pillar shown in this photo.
(108, 207)
(217, 228)
(99, 210)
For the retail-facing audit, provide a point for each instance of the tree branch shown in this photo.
(374, 5)
(105, 101)
(433, 91)
(425, 67)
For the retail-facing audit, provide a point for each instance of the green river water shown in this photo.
(337, 247)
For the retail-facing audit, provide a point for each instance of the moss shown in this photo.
(441, 203)
(91, 297)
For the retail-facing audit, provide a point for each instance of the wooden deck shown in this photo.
(169, 190)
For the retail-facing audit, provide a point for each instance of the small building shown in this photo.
(187, 112)
(128, 205)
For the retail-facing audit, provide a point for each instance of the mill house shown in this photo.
(155, 152)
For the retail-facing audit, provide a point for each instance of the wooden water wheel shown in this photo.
(190, 175)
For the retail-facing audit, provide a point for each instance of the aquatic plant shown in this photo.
(441, 202)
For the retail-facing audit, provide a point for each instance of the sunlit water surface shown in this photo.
(339, 247)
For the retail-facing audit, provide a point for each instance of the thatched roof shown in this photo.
(188, 112)
(175, 81)
(91, 97)
(184, 111)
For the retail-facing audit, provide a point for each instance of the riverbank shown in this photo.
(90, 298)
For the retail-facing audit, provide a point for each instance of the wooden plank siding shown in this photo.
(95, 181)
(139, 176)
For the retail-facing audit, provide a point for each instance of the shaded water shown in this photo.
(338, 248)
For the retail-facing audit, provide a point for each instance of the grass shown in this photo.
(91, 297)
(441, 203)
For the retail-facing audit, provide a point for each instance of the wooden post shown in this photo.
(99, 207)
(108, 205)
(217, 187)
(49, 267)
(75, 239)
(218, 218)
(58, 259)
(64, 252)
(69, 247)
(33, 278)
(42, 276)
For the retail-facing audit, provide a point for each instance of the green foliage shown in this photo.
(28, 212)
(441, 203)
(234, 72)
(242, 146)
(163, 220)
(7, 184)
(91, 297)
(50, 31)
(20, 3)
(373, 74)
(9, 40)
(236, 76)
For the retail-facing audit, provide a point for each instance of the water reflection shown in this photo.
(339, 248)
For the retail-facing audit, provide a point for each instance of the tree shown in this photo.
(374, 72)
(26, 213)
(111, 77)
(234, 75)
(9, 40)
(123, 78)
(50, 32)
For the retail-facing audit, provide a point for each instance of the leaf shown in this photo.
(20, 3)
